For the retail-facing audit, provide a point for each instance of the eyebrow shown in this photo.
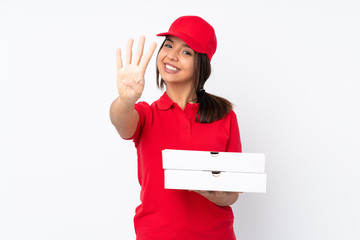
(168, 39)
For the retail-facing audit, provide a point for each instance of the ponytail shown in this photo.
(211, 107)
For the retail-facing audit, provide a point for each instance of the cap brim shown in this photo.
(188, 40)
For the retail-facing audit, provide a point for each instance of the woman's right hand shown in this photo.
(130, 76)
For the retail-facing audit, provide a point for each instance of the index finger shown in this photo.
(146, 59)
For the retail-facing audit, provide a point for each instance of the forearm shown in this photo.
(220, 198)
(124, 117)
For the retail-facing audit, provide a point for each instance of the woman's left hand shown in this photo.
(220, 198)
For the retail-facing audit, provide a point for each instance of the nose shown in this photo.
(173, 55)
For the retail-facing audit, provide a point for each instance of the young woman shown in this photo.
(185, 117)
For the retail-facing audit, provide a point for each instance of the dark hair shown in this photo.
(211, 107)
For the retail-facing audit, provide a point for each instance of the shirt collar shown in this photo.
(164, 103)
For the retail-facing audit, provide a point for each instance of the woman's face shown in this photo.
(176, 61)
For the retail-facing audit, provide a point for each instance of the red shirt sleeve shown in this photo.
(234, 142)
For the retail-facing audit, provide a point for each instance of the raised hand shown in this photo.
(130, 76)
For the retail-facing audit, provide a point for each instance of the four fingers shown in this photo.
(138, 55)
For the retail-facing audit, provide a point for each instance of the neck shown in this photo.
(180, 94)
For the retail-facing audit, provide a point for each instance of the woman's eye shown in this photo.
(187, 53)
(167, 45)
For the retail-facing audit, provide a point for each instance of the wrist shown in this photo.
(125, 105)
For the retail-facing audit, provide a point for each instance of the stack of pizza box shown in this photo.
(214, 171)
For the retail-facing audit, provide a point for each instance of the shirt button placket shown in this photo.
(187, 114)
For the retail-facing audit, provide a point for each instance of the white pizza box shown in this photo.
(209, 171)
(215, 181)
(213, 161)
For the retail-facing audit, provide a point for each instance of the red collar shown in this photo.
(164, 103)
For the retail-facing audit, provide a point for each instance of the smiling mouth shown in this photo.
(167, 66)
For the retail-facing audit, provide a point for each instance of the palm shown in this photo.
(130, 83)
(130, 77)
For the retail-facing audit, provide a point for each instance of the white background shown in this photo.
(290, 67)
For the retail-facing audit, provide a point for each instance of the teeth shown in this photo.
(170, 67)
